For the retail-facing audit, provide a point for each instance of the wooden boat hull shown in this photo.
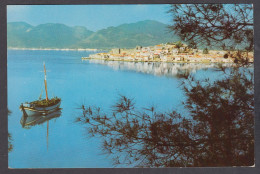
(34, 111)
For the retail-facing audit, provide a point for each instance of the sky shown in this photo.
(93, 17)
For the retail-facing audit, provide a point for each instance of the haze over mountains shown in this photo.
(50, 35)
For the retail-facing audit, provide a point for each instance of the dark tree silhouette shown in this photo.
(178, 44)
(226, 26)
(10, 145)
(224, 113)
(218, 127)
(206, 51)
(218, 131)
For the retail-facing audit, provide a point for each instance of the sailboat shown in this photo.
(41, 107)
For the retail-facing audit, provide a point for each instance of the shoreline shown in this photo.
(57, 49)
(161, 61)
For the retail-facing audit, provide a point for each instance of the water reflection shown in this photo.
(28, 121)
(158, 68)
(217, 129)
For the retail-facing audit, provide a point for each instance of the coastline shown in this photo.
(157, 60)
(56, 49)
(172, 52)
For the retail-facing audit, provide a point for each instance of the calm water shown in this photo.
(95, 83)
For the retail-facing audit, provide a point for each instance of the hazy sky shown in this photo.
(94, 17)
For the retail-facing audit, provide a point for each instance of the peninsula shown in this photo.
(172, 52)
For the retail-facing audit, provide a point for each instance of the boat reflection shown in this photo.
(158, 68)
(29, 121)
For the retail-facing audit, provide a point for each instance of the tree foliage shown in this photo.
(226, 26)
(218, 127)
(206, 51)
(10, 145)
(178, 44)
(218, 130)
(10, 139)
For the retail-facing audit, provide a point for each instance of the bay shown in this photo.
(77, 82)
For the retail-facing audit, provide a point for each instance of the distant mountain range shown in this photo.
(50, 35)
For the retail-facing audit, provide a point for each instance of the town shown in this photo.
(172, 52)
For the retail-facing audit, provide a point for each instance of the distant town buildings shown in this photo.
(172, 52)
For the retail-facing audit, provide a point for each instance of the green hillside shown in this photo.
(49, 35)
(145, 33)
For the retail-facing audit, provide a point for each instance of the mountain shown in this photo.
(145, 33)
(16, 33)
(23, 35)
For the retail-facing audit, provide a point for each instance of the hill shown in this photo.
(23, 35)
(145, 33)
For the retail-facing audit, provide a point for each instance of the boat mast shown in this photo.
(45, 82)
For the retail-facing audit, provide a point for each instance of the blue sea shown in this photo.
(77, 82)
